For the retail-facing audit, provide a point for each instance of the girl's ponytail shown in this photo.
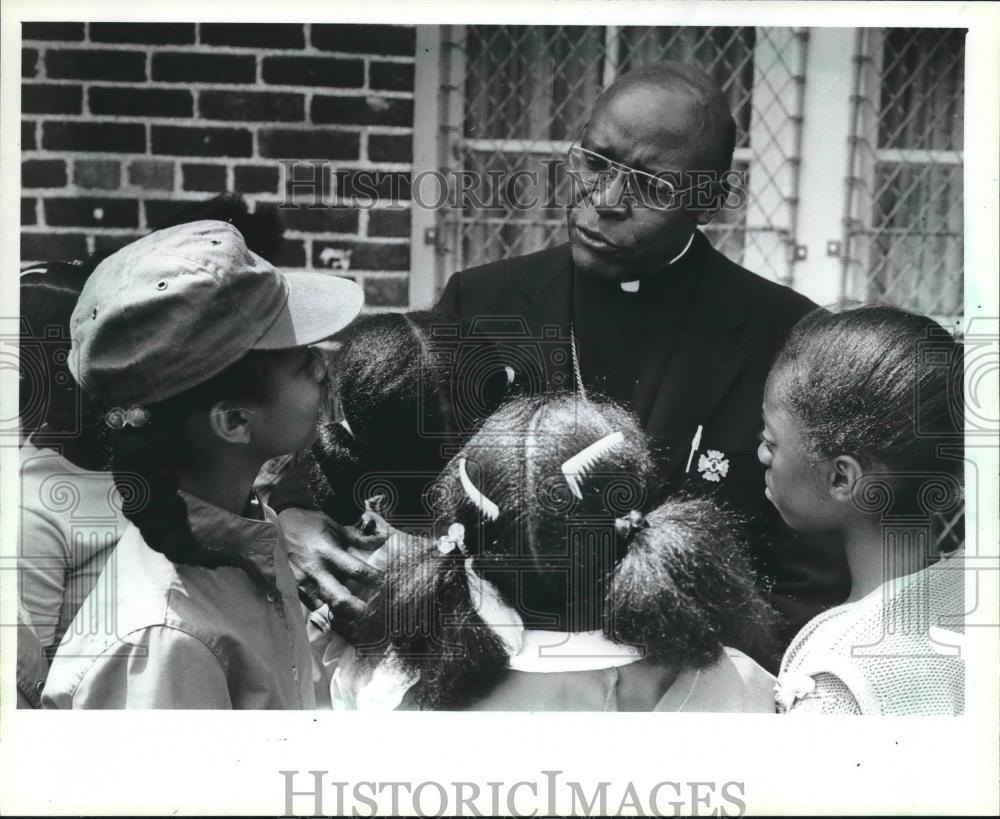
(686, 588)
(424, 614)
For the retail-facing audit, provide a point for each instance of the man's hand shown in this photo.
(320, 552)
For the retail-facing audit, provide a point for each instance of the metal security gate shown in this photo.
(903, 226)
(516, 97)
(851, 140)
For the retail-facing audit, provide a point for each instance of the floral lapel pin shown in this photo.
(713, 465)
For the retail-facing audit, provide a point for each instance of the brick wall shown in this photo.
(123, 124)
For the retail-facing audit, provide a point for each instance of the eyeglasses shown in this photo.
(645, 189)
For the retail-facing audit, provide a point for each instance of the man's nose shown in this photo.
(609, 196)
(763, 454)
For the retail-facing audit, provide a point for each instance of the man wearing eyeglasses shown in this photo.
(639, 307)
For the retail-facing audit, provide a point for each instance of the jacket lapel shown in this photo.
(707, 356)
(547, 304)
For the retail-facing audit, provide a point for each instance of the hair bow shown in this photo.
(627, 525)
(455, 539)
(119, 418)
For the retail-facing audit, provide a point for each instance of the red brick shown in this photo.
(252, 106)
(373, 256)
(389, 222)
(390, 147)
(103, 174)
(203, 177)
(372, 110)
(256, 178)
(365, 39)
(28, 213)
(51, 247)
(29, 63)
(106, 137)
(94, 64)
(91, 212)
(161, 211)
(151, 174)
(27, 135)
(254, 35)
(320, 143)
(51, 99)
(189, 67)
(145, 33)
(141, 102)
(291, 254)
(106, 244)
(327, 72)
(65, 32)
(321, 220)
(367, 255)
(390, 76)
(365, 185)
(386, 291)
(175, 140)
(43, 173)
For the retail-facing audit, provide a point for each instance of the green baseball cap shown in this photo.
(177, 307)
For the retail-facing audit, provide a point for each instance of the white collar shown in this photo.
(556, 651)
(633, 286)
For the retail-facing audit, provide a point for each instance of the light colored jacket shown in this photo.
(154, 634)
(71, 519)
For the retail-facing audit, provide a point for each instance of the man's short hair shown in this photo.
(718, 119)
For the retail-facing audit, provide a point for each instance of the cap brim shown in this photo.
(319, 305)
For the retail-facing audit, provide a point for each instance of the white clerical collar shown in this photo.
(555, 651)
(633, 286)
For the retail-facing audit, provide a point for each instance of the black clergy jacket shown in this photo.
(692, 348)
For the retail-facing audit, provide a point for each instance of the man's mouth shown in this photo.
(594, 241)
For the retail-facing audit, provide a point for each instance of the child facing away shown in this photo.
(863, 438)
(399, 422)
(199, 351)
(553, 591)
(70, 510)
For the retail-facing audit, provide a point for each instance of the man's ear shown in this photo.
(230, 424)
(705, 215)
(845, 473)
(707, 203)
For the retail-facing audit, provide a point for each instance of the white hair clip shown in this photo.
(455, 539)
(489, 509)
(578, 466)
(118, 418)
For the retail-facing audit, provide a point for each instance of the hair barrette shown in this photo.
(489, 509)
(119, 418)
(577, 467)
(627, 525)
(455, 539)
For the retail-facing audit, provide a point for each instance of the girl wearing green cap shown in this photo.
(199, 351)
